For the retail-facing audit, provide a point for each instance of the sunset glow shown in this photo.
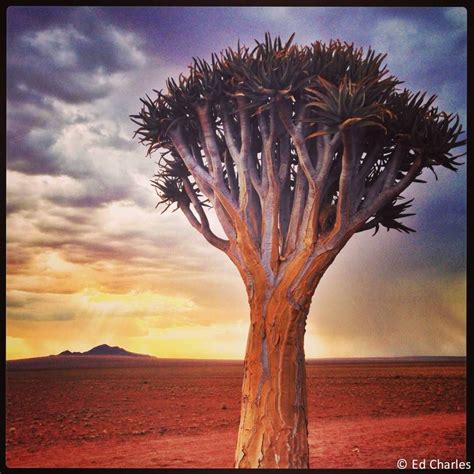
(89, 258)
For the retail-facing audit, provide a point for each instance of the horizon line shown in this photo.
(242, 359)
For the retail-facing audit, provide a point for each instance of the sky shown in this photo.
(89, 258)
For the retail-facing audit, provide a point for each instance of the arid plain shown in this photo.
(72, 411)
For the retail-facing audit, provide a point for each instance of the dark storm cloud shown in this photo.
(32, 152)
(58, 65)
(32, 82)
(69, 60)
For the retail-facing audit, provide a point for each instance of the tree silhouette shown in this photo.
(295, 149)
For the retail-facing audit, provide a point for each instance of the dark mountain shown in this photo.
(67, 353)
(103, 349)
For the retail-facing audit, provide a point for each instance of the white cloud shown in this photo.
(56, 44)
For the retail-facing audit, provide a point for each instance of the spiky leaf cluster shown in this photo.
(389, 216)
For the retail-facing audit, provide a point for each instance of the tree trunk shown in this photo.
(273, 425)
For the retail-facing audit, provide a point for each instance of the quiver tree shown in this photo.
(295, 149)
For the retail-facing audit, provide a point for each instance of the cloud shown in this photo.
(69, 153)
(116, 247)
(62, 139)
(91, 303)
(56, 124)
(73, 63)
(26, 306)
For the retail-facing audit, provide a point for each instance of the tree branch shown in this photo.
(248, 201)
(349, 165)
(359, 188)
(315, 196)
(230, 134)
(219, 196)
(210, 140)
(385, 179)
(201, 175)
(271, 192)
(389, 194)
(299, 199)
(284, 112)
(231, 177)
(217, 242)
(191, 193)
(286, 194)
(394, 164)
(232, 221)
(203, 225)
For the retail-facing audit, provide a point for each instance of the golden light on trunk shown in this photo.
(295, 149)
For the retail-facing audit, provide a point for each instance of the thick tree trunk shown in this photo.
(273, 425)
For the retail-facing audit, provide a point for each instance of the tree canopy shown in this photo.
(325, 121)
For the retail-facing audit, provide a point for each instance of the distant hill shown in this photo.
(103, 350)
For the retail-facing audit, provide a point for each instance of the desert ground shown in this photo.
(145, 412)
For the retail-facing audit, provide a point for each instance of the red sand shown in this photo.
(175, 414)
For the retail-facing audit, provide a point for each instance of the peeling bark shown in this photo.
(273, 427)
